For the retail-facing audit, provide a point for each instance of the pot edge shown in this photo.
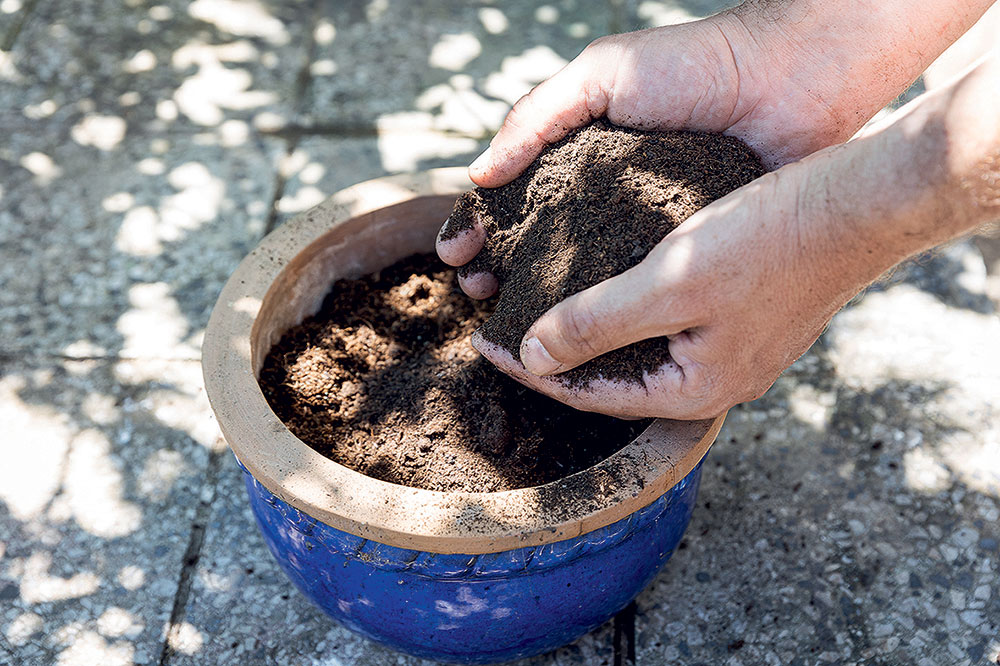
(392, 514)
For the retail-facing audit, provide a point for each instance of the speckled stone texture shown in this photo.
(849, 517)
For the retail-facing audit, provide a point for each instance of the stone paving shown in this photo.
(848, 517)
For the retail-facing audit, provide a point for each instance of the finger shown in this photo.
(574, 96)
(458, 241)
(478, 285)
(617, 312)
(459, 248)
(661, 395)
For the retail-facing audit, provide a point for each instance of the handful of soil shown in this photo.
(383, 380)
(590, 207)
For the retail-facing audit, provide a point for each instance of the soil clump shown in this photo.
(590, 207)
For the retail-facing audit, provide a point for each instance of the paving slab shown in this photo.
(103, 467)
(149, 232)
(453, 65)
(319, 166)
(104, 66)
(123, 252)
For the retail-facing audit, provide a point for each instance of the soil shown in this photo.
(590, 207)
(383, 380)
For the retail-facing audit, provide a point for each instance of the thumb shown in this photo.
(575, 95)
(617, 312)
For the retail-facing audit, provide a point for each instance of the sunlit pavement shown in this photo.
(850, 516)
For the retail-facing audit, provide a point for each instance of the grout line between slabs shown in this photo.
(199, 525)
(624, 637)
(291, 143)
(25, 356)
(355, 130)
(192, 553)
(303, 79)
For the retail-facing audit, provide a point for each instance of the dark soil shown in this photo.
(383, 380)
(590, 207)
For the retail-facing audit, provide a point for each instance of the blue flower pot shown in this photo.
(461, 577)
(474, 609)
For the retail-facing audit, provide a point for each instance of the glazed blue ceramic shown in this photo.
(474, 609)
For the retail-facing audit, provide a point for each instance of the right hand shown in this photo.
(710, 75)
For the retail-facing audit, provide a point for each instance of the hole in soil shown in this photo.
(421, 293)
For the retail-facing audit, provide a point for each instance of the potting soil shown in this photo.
(590, 207)
(383, 380)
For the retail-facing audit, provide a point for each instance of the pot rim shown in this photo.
(392, 514)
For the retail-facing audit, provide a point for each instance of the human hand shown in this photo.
(690, 76)
(745, 285)
(732, 289)
(786, 78)
(679, 76)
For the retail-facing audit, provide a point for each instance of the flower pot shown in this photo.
(458, 577)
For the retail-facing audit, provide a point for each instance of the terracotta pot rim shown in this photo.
(392, 514)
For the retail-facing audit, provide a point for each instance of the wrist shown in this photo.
(926, 176)
(819, 70)
(947, 145)
(791, 100)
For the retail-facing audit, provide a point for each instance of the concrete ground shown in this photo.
(849, 517)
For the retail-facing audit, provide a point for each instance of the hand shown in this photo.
(679, 76)
(731, 288)
(691, 76)
(746, 285)
(786, 78)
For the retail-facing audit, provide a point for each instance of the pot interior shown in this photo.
(351, 249)
(285, 279)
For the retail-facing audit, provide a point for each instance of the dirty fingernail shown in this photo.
(481, 162)
(536, 358)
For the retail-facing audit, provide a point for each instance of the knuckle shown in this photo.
(598, 45)
(594, 99)
(526, 121)
(581, 330)
(517, 112)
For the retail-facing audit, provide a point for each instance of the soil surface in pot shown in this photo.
(590, 207)
(383, 380)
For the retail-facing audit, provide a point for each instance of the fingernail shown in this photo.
(536, 358)
(481, 162)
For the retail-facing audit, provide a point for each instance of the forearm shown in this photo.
(830, 66)
(924, 177)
